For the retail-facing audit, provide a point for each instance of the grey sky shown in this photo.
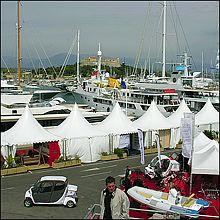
(116, 25)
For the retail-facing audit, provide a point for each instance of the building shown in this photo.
(93, 61)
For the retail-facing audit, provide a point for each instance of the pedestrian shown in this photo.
(127, 172)
(114, 202)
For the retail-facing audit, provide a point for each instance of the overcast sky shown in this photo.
(118, 26)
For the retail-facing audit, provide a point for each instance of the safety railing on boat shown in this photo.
(94, 213)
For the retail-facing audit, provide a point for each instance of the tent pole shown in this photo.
(90, 148)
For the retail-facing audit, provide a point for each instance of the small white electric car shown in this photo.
(53, 190)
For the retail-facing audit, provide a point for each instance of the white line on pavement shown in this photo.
(96, 174)
(98, 168)
(8, 188)
(92, 169)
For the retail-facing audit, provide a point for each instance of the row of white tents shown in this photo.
(88, 141)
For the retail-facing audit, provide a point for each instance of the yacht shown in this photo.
(194, 89)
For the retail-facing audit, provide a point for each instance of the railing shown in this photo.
(94, 212)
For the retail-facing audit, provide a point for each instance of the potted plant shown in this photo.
(120, 153)
(70, 161)
(12, 167)
(107, 156)
(179, 144)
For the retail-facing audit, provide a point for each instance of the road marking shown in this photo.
(108, 166)
(8, 188)
(96, 168)
(96, 174)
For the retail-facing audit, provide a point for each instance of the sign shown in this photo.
(187, 127)
(141, 144)
(169, 91)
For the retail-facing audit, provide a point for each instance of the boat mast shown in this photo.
(164, 39)
(202, 68)
(77, 67)
(19, 42)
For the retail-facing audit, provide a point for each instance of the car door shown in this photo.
(58, 191)
(42, 192)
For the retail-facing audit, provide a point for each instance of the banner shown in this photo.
(186, 129)
(158, 147)
(141, 144)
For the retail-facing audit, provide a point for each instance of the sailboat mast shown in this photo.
(77, 70)
(164, 39)
(19, 41)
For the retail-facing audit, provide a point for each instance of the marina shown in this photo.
(154, 129)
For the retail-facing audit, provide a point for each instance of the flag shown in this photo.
(112, 82)
(123, 84)
(158, 147)
(141, 144)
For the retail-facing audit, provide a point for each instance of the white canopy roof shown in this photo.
(116, 123)
(205, 159)
(152, 119)
(175, 119)
(207, 115)
(27, 130)
(76, 126)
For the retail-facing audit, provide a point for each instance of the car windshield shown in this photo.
(153, 162)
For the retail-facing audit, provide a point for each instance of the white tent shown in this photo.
(82, 138)
(27, 130)
(175, 122)
(207, 116)
(150, 122)
(152, 119)
(117, 123)
(205, 157)
(175, 118)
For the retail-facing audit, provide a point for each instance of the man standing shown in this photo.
(114, 202)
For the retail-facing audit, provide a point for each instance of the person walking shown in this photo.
(114, 202)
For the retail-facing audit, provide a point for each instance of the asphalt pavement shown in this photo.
(90, 179)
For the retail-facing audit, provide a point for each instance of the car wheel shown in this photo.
(28, 202)
(70, 204)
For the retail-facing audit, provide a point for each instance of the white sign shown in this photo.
(187, 126)
(141, 145)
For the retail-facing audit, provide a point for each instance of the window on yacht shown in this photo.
(144, 107)
(131, 106)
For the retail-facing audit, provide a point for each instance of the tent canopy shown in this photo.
(76, 126)
(175, 119)
(116, 123)
(152, 119)
(207, 115)
(205, 159)
(27, 130)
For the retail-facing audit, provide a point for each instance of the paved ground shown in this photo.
(88, 177)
